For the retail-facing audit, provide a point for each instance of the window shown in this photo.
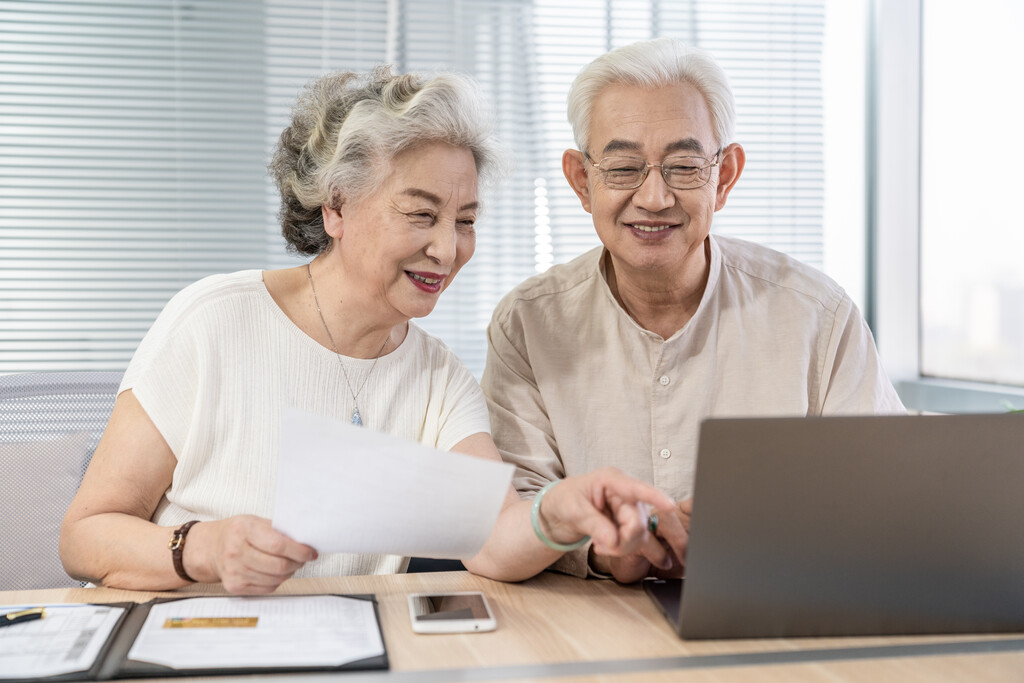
(135, 135)
(972, 245)
(950, 288)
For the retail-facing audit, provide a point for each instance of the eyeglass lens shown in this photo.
(680, 172)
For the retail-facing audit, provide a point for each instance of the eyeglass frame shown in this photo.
(710, 163)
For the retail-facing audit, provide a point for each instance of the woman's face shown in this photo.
(402, 245)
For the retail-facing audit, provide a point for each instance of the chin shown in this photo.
(418, 311)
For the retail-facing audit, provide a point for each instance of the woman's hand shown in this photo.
(608, 506)
(245, 553)
(108, 538)
(650, 561)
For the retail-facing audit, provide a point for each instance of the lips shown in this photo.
(428, 282)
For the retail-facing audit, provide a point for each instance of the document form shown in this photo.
(342, 488)
(67, 639)
(257, 632)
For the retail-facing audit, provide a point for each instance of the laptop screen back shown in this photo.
(856, 526)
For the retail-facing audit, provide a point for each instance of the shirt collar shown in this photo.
(714, 271)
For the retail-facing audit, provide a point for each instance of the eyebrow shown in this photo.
(431, 197)
(684, 145)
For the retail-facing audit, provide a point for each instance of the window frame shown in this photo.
(894, 211)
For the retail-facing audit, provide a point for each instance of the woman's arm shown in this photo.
(601, 504)
(107, 537)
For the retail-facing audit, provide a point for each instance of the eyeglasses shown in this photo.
(680, 172)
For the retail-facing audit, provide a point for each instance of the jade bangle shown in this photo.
(535, 520)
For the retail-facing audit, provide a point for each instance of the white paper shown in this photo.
(342, 488)
(68, 639)
(308, 630)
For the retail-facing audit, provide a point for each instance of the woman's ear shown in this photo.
(729, 171)
(334, 223)
(576, 174)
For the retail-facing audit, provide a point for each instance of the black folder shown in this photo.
(112, 661)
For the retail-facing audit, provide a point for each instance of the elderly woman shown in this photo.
(378, 178)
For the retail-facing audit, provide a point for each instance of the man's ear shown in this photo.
(334, 222)
(729, 171)
(576, 174)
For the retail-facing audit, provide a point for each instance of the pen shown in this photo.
(23, 615)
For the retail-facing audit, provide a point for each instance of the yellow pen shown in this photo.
(22, 615)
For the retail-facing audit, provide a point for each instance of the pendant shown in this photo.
(357, 419)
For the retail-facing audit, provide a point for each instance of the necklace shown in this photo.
(357, 418)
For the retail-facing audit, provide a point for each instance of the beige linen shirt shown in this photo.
(573, 383)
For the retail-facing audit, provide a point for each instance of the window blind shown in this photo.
(131, 154)
(134, 138)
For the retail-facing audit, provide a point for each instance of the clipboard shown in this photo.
(113, 662)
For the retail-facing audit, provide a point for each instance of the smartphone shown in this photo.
(462, 612)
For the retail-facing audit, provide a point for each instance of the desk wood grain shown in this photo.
(555, 627)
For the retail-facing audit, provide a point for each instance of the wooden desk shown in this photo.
(557, 628)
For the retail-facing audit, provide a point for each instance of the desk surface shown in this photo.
(558, 628)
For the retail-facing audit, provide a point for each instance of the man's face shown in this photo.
(653, 227)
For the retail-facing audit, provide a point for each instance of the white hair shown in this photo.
(653, 64)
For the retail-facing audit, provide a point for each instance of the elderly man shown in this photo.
(616, 357)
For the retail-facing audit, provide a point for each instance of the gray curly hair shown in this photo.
(347, 127)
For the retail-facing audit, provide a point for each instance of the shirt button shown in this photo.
(665, 453)
(664, 380)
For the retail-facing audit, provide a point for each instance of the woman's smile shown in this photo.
(428, 282)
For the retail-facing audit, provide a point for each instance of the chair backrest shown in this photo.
(50, 424)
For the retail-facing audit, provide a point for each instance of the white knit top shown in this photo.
(220, 363)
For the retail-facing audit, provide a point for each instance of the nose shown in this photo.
(654, 194)
(443, 242)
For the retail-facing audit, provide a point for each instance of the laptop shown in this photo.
(859, 525)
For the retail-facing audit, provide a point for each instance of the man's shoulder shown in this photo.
(554, 284)
(771, 268)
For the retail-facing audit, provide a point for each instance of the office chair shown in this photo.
(50, 423)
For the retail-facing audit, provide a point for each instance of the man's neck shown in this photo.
(661, 302)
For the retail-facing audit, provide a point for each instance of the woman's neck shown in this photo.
(352, 326)
(355, 331)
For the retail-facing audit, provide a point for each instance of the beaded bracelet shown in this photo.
(535, 519)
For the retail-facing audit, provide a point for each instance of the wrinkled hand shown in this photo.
(245, 553)
(604, 505)
(662, 555)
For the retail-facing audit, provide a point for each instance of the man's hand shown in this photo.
(662, 554)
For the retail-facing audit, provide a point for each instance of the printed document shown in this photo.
(343, 488)
(254, 632)
(68, 639)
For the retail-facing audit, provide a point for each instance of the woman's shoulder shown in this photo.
(423, 342)
(432, 351)
(216, 289)
(223, 284)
